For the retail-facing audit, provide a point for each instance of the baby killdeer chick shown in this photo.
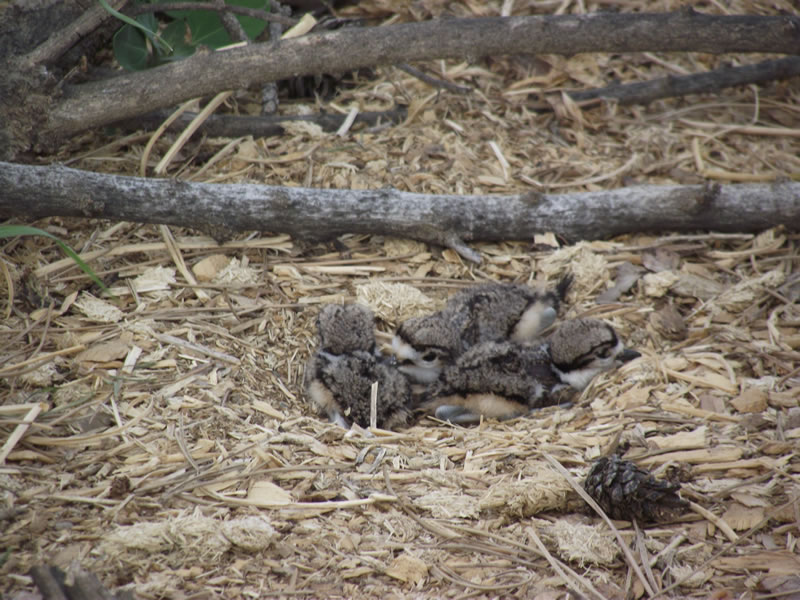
(504, 311)
(482, 313)
(424, 345)
(339, 376)
(345, 328)
(503, 380)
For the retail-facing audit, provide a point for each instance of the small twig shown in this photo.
(495, 548)
(445, 573)
(697, 83)
(140, 9)
(34, 363)
(454, 242)
(717, 521)
(373, 406)
(301, 506)
(208, 109)
(276, 27)
(82, 441)
(180, 437)
(176, 341)
(230, 22)
(676, 541)
(449, 534)
(260, 126)
(20, 430)
(213, 475)
(269, 90)
(640, 543)
(434, 81)
(48, 314)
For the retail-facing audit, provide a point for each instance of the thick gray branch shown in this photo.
(31, 191)
(98, 103)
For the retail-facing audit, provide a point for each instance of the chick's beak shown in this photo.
(628, 355)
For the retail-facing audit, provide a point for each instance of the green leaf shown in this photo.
(118, 15)
(7, 231)
(202, 24)
(130, 49)
(252, 27)
(149, 23)
(149, 26)
(151, 31)
(175, 35)
(207, 28)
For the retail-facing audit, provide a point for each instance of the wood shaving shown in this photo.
(235, 488)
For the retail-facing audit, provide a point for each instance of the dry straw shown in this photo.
(193, 433)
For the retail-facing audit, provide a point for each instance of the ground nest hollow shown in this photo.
(164, 440)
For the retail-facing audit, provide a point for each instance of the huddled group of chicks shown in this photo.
(483, 355)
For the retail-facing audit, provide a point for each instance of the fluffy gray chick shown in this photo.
(482, 313)
(338, 377)
(504, 380)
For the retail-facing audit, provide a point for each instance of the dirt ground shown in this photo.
(168, 447)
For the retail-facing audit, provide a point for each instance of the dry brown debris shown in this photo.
(175, 411)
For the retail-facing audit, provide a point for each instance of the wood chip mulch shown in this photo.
(160, 438)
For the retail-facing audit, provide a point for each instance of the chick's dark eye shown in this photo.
(604, 353)
(429, 356)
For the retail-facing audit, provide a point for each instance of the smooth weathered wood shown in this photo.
(31, 191)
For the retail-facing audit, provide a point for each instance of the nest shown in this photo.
(161, 439)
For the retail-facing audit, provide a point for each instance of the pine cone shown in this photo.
(624, 491)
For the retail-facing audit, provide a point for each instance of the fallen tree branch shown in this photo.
(696, 83)
(87, 106)
(315, 214)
